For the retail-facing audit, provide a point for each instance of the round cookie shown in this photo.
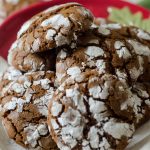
(24, 109)
(80, 117)
(46, 33)
(112, 51)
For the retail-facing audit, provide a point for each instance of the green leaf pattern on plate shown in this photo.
(125, 17)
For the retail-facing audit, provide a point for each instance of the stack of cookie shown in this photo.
(75, 84)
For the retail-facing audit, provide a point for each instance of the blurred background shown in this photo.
(7, 7)
(145, 3)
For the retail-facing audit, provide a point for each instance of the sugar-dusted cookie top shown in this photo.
(44, 34)
(113, 51)
(80, 116)
(11, 74)
(24, 109)
(123, 49)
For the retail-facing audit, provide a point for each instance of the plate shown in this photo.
(9, 29)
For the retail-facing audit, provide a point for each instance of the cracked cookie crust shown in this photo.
(108, 51)
(99, 92)
(41, 36)
(81, 118)
(24, 108)
(11, 74)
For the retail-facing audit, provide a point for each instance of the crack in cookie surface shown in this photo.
(24, 107)
(79, 117)
(54, 28)
(98, 92)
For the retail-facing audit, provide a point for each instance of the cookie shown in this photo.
(117, 46)
(24, 110)
(81, 118)
(113, 51)
(130, 61)
(101, 78)
(28, 62)
(46, 33)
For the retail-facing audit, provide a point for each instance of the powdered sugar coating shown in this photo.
(61, 21)
(34, 132)
(143, 35)
(90, 57)
(136, 72)
(88, 79)
(140, 48)
(103, 30)
(93, 51)
(11, 74)
(82, 102)
(135, 102)
(56, 21)
(36, 44)
(112, 26)
(73, 71)
(84, 115)
(27, 100)
(101, 65)
(117, 130)
(50, 34)
(122, 51)
(46, 32)
(29, 61)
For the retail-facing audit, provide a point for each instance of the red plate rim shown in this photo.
(146, 12)
(9, 24)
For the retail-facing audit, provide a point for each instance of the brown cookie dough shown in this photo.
(46, 33)
(7, 7)
(24, 108)
(80, 117)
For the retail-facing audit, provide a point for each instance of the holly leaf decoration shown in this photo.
(125, 17)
